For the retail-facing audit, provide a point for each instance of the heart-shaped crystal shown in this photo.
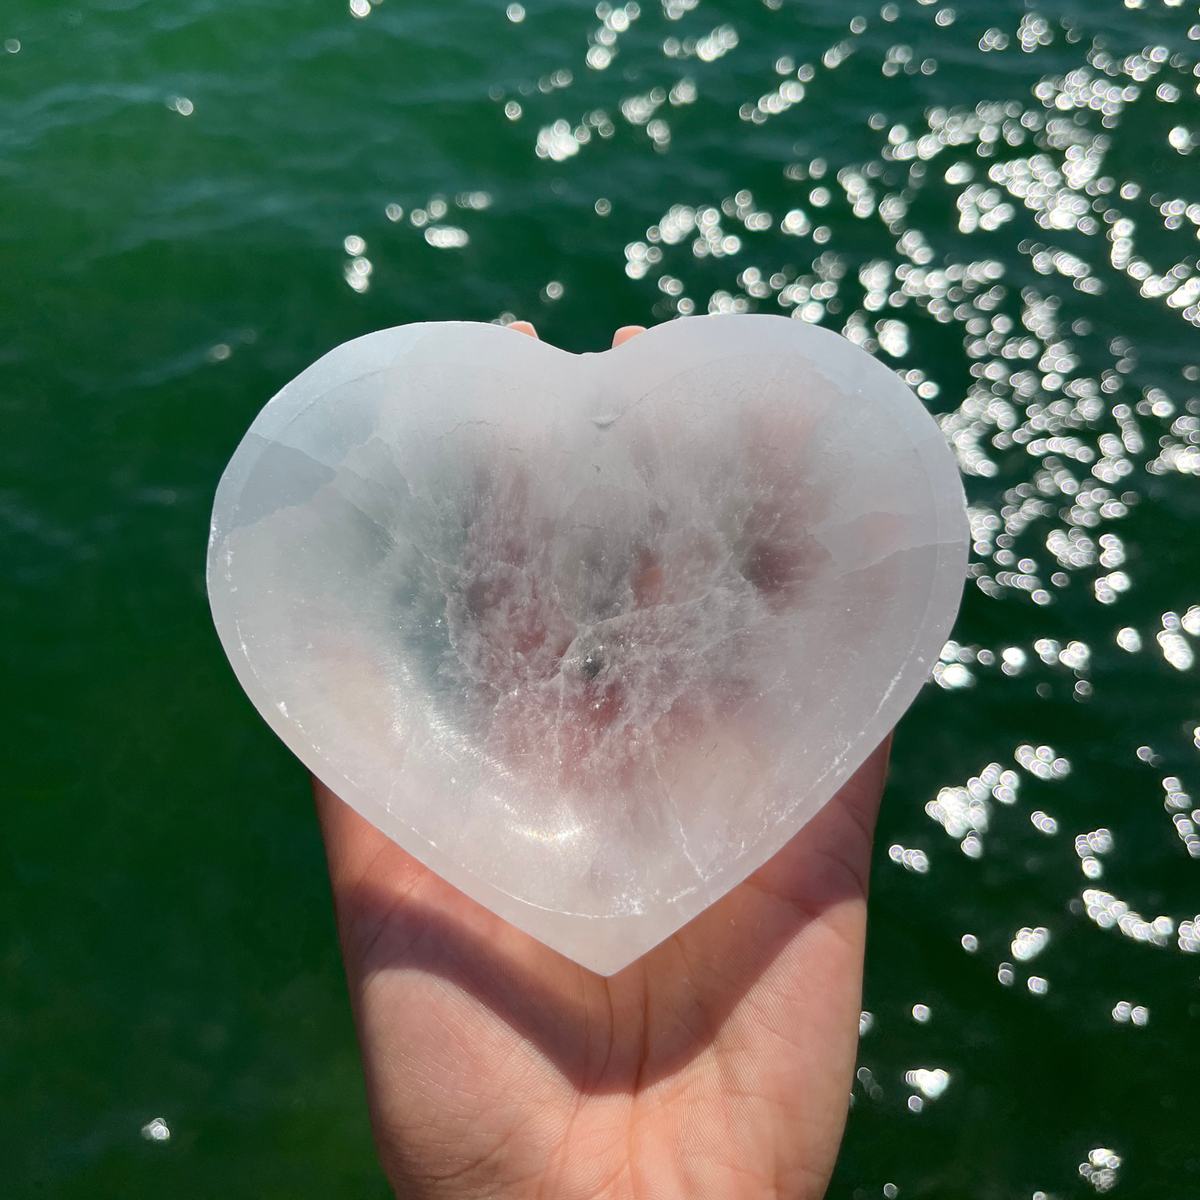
(592, 636)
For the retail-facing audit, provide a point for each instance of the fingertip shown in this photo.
(524, 327)
(625, 333)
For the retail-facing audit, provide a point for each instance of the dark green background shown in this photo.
(166, 942)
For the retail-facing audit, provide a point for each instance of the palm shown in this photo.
(717, 1065)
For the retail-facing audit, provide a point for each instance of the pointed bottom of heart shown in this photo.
(604, 944)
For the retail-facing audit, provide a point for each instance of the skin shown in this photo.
(718, 1065)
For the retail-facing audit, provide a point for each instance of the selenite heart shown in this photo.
(592, 636)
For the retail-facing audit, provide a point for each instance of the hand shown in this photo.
(718, 1065)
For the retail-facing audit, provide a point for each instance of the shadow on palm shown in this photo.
(783, 928)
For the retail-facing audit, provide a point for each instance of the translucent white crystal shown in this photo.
(592, 636)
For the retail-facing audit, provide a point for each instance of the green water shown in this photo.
(177, 182)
